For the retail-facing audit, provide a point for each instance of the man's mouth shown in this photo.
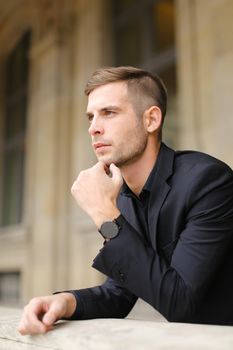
(100, 145)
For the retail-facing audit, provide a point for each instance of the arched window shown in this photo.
(144, 36)
(14, 133)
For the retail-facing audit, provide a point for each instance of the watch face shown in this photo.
(109, 229)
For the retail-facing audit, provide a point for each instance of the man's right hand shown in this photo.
(41, 313)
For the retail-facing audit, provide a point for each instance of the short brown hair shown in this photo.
(140, 82)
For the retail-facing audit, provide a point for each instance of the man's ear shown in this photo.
(153, 119)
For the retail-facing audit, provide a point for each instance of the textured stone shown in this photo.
(115, 334)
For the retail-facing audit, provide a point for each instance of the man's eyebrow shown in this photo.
(110, 107)
(104, 109)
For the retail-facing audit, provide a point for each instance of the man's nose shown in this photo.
(96, 127)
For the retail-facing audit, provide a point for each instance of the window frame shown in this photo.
(17, 143)
(153, 62)
(163, 62)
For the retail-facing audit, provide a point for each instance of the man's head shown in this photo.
(126, 107)
(145, 89)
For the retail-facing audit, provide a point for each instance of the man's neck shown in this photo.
(136, 174)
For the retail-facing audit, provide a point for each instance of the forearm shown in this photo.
(106, 301)
(137, 267)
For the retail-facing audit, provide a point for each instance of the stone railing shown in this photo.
(143, 329)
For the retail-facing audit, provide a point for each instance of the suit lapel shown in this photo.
(159, 192)
(125, 205)
(160, 189)
(158, 196)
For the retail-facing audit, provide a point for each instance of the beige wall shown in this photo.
(55, 245)
(205, 75)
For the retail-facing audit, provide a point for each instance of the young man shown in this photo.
(166, 216)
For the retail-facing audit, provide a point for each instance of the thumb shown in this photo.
(116, 173)
(51, 316)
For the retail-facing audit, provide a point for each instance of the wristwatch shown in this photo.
(109, 229)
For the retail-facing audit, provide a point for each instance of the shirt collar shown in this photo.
(126, 191)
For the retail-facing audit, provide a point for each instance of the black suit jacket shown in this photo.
(186, 271)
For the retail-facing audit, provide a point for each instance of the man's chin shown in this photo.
(105, 160)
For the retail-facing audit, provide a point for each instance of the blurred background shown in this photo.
(48, 49)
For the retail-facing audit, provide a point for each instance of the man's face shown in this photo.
(118, 134)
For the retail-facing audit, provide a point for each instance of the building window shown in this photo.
(9, 288)
(144, 36)
(14, 133)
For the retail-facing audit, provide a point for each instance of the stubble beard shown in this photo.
(130, 150)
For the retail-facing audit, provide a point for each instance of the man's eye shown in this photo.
(90, 117)
(109, 113)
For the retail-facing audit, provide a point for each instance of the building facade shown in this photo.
(48, 49)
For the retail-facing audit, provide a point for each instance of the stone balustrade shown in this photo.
(143, 329)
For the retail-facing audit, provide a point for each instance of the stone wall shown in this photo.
(54, 246)
(205, 76)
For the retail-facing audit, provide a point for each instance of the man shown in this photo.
(166, 216)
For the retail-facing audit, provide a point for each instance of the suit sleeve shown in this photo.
(110, 300)
(175, 290)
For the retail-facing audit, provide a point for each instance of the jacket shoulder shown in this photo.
(187, 160)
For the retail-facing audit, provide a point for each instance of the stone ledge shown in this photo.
(115, 334)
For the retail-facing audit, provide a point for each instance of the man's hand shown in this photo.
(41, 313)
(96, 190)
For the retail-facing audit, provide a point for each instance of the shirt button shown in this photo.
(121, 276)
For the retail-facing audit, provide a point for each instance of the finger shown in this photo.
(31, 325)
(100, 165)
(31, 320)
(102, 168)
(116, 173)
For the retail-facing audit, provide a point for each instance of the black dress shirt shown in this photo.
(141, 202)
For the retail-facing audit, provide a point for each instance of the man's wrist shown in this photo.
(111, 215)
(71, 304)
